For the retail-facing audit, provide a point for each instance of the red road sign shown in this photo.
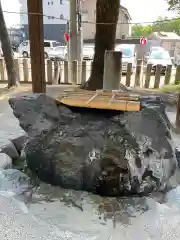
(143, 40)
(66, 36)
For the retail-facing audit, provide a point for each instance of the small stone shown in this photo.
(6, 146)
(19, 142)
(5, 161)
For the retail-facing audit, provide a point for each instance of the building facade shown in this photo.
(56, 15)
(89, 17)
(168, 40)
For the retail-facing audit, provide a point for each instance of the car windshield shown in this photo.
(160, 55)
(156, 49)
(126, 52)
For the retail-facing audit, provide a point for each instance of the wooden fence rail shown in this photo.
(76, 73)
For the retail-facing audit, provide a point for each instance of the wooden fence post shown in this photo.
(2, 69)
(49, 72)
(17, 68)
(112, 70)
(138, 73)
(74, 73)
(128, 74)
(148, 75)
(83, 77)
(177, 76)
(61, 73)
(56, 73)
(157, 76)
(168, 74)
(25, 70)
(66, 72)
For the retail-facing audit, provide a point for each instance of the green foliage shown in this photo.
(163, 25)
(173, 5)
(139, 30)
(170, 88)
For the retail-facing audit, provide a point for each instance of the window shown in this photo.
(47, 44)
(25, 43)
(56, 44)
(160, 55)
(61, 16)
(50, 17)
(61, 1)
(126, 52)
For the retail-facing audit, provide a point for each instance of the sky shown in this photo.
(146, 10)
(140, 10)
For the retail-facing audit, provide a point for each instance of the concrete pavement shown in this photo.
(9, 125)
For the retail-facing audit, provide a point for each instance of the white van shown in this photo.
(24, 48)
(128, 56)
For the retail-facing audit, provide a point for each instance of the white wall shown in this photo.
(52, 8)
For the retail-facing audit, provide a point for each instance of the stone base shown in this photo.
(105, 152)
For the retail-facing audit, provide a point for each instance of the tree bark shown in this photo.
(13, 80)
(107, 12)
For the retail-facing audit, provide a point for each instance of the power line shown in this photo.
(91, 22)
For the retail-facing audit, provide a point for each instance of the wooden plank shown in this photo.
(90, 93)
(138, 73)
(157, 76)
(168, 74)
(101, 104)
(148, 75)
(128, 74)
(25, 70)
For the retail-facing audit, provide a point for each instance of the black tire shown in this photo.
(25, 54)
(45, 55)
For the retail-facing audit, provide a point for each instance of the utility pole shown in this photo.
(80, 34)
(73, 30)
(68, 45)
(79, 40)
(36, 37)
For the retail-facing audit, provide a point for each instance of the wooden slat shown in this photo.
(114, 100)
(101, 104)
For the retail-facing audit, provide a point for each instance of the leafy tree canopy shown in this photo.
(161, 25)
(174, 5)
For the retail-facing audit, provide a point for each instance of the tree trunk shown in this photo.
(107, 11)
(7, 52)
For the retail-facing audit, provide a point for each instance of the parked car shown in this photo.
(152, 49)
(15, 54)
(88, 52)
(159, 58)
(24, 48)
(58, 53)
(128, 56)
(156, 48)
